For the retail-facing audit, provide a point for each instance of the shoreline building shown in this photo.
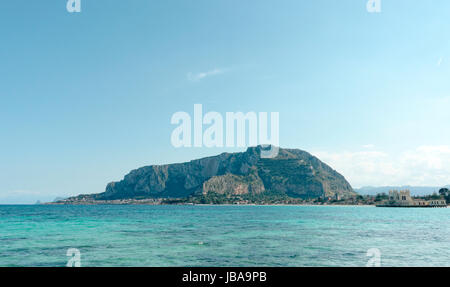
(403, 198)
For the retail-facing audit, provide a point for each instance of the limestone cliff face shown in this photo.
(294, 172)
(234, 184)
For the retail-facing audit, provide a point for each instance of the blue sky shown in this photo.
(86, 97)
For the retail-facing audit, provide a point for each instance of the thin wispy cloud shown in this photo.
(440, 62)
(194, 77)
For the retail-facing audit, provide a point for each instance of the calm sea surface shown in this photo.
(223, 235)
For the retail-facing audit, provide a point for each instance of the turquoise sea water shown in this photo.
(223, 235)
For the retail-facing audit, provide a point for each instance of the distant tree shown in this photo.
(435, 196)
(444, 191)
(381, 196)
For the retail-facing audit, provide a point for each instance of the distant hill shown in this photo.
(229, 177)
(415, 190)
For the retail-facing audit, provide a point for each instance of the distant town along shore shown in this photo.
(403, 198)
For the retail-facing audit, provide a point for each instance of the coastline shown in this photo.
(200, 204)
(211, 204)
